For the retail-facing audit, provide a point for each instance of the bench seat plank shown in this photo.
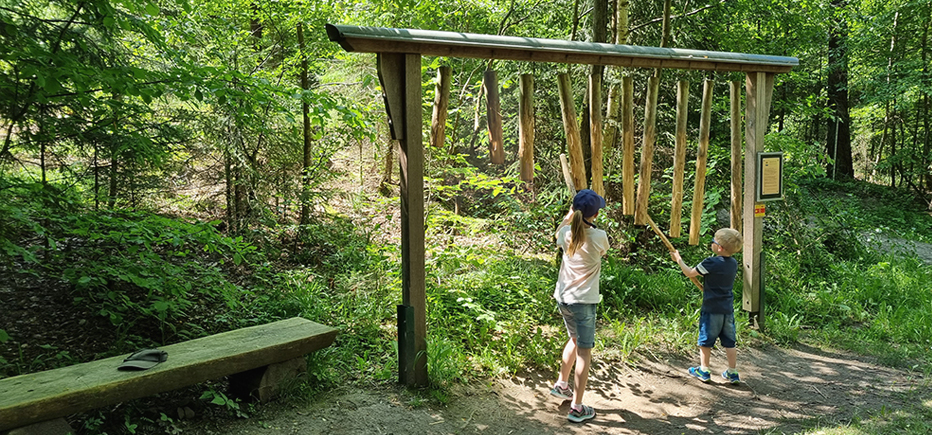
(82, 387)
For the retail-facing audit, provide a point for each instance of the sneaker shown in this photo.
(697, 372)
(580, 415)
(731, 377)
(561, 392)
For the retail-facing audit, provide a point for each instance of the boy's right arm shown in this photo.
(688, 271)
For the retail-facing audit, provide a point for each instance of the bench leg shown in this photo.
(51, 427)
(264, 383)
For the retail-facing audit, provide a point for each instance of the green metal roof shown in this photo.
(454, 44)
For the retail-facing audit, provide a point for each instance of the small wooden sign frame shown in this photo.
(769, 176)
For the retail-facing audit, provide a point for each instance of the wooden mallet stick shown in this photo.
(666, 241)
(567, 177)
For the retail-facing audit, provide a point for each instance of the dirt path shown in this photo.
(782, 387)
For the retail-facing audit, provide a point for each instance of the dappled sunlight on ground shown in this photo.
(782, 388)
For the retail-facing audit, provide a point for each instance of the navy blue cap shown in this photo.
(588, 202)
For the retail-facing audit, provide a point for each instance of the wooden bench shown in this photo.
(257, 356)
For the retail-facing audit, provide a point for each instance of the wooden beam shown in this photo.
(438, 120)
(571, 127)
(627, 141)
(400, 75)
(759, 88)
(679, 157)
(595, 130)
(647, 151)
(454, 44)
(494, 119)
(736, 166)
(702, 157)
(526, 127)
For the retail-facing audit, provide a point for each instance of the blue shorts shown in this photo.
(580, 323)
(717, 326)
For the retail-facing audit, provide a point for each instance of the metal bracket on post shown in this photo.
(756, 318)
(761, 299)
(406, 341)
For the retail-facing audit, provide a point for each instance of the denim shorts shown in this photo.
(717, 326)
(580, 323)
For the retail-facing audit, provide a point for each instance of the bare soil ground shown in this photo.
(782, 389)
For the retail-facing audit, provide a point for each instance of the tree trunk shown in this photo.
(925, 180)
(306, 165)
(621, 21)
(228, 191)
(599, 34)
(839, 133)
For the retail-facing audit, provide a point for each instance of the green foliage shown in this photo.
(145, 273)
(231, 406)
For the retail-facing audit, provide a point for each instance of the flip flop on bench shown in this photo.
(143, 359)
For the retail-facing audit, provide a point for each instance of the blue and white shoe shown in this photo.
(731, 377)
(703, 376)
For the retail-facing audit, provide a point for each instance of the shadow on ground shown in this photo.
(782, 390)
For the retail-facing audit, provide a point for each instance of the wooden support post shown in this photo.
(438, 121)
(736, 166)
(679, 157)
(58, 426)
(494, 120)
(647, 151)
(400, 76)
(595, 128)
(759, 88)
(627, 139)
(526, 128)
(702, 157)
(571, 127)
(267, 382)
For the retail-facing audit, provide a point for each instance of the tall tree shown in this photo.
(838, 143)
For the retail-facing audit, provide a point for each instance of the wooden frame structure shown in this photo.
(399, 54)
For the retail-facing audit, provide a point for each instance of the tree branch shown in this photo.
(660, 20)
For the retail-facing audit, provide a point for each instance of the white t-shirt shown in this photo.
(578, 281)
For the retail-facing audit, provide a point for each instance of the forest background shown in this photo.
(168, 170)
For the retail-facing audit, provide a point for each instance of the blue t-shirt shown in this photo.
(718, 282)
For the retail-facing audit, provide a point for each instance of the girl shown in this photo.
(577, 294)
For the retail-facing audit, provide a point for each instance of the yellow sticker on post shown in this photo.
(760, 210)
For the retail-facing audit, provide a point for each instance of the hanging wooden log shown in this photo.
(679, 157)
(526, 128)
(610, 125)
(627, 140)
(702, 157)
(571, 127)
(736, 165)
(438, 122)
(595, 130)
(647, 151)
(494, 119)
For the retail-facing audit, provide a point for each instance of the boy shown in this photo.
(717, 317)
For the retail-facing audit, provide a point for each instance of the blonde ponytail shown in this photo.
(578, 233)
